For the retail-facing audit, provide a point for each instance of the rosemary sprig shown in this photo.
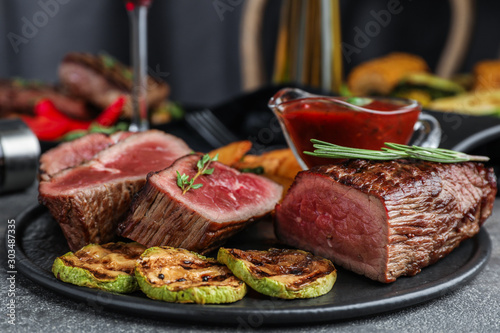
(392, 151)
(203, 163)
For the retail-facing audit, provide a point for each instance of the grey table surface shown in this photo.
(474, 307)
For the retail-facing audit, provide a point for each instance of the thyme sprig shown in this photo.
(392, 151)
(202, 165)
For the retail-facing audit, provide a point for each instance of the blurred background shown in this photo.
(195, 45)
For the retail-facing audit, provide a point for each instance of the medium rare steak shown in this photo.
(203, 218)
(89, 200)
(73, 153)
(70, 154)
(385, 219)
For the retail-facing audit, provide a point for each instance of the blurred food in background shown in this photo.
(19, 96)
(408, 76)
(101, 79)
(426, 87)
(93, 95)
(478, 103)
(380, 76)
(487, 75)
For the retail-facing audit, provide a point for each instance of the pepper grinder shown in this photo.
(19, 154)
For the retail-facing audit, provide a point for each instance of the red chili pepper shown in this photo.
(50, 124)
(45, 108)
(45, 128)
(110, 115)
(78, 125)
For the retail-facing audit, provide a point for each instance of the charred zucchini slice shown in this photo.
(282, 273)
(109, 267)
(178, 275)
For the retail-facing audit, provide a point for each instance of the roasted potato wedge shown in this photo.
(280, 162)
(232, 153)
(279, 165)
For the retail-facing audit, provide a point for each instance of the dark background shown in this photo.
(196, 49)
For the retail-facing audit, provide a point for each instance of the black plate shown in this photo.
(40, 241)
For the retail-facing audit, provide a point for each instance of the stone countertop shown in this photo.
(474, 307)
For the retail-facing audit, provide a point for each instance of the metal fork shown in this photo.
(210, 128)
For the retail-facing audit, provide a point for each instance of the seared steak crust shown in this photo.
(386, 219)
(181, 226)
(92, 215)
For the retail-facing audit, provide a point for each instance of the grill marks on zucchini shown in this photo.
(108, 267)
(275, 262)
(281, 273)
(178, 275)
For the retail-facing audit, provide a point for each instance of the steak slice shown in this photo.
(101, 79)
(385, 219)
(73, 153)
(89, 200)
(19, 96)
(202, 218)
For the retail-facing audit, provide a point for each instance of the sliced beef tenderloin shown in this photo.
(89, 200)
(73, 153)
(101, 79)
(121, 135)
(19, 96)
(202, 218)
(385, 219)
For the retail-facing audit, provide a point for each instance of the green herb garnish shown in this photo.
(259, 170)
(186, 184)
(392, 151)
(95, 128)
(108, 61)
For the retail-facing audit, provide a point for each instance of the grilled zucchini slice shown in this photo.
(108, 267)
(282, 273)
(181, 276)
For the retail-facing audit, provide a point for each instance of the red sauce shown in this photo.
(331, 122)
